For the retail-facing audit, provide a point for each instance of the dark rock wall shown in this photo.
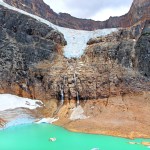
(143, 51)
(24, 42)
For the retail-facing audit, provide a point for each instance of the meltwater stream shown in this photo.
(36, 137)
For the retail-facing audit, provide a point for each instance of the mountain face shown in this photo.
(111, 80)
(23, 42)
(139, 11)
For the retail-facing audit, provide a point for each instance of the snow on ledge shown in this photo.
(47, 120)
(78, 113)
(76, 39)
(8, 101)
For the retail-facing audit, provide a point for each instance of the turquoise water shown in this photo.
(36, 137)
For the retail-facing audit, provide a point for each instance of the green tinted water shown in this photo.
(36, 137)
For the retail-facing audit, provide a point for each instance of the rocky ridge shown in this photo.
(139, 11)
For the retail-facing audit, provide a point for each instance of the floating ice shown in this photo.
(52, 139)
(95, 149)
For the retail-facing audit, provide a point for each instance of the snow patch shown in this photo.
(78, 113)
(76, 39)
(8, 101)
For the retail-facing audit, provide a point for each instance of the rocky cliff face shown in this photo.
(23, 44)
(107, 81)
(112, 77)
(140, 11)
(108, 68)
(32, 63)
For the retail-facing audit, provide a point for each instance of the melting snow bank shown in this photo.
(47, 120)
(8, 101)
(76, 39)
(78, 113)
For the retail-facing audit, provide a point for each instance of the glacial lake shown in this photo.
(36, 137)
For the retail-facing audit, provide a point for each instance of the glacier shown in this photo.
(76, 39)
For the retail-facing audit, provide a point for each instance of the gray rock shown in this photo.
(143, 51)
